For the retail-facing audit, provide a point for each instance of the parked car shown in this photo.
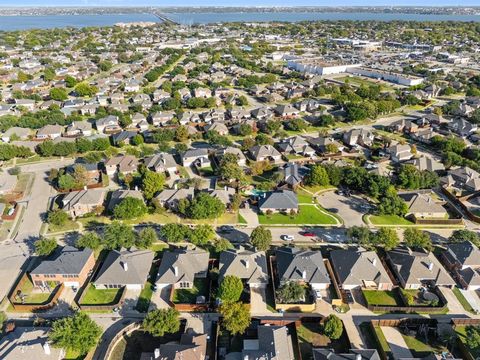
(349, 296)
(287, 237)
(317, 294)
(308, 234)
(226, 228)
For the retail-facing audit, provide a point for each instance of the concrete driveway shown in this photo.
(350, 209)
(472, 297)
(454, 306)
(258, 301)
(396, 342)
(160, 299)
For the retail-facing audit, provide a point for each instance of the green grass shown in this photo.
(354, 80)
(73, 355)
(241, 220)
(206, 171)
(69, 225)
(382, 341)
(101, 297)
(389, 220)
(381, 298)
(415, 345)
(34, 296)
(461, 299)
(189, 296)
(304, 198)
(316, 188)
(462, 335)
(308, 214)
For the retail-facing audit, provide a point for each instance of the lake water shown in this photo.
(9, 23)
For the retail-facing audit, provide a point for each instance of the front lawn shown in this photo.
(189, 296)
(381, 298)
(389, 220)
(69, 225)
(308, 214)
(95, 296)
(304, 198)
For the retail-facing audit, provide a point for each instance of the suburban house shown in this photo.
(191, 347)
(180, 267)
(278, 201)
(399, 153)
(462, 127)
(123, 137)
(274, 342)
(286, 111)
(242, 160)
(415, 269)
(162, 118)
(463, 178)
(79, 128)
(29, 343)
(265, 153)
(198, 157)
(423, 206)
(219, 127)
(354, 354)
(303, 266)
(68, 266)
(324, 144)
(109, 124)
(247, 264)
(125, 164)
(80, 203)
(50, 132)
(359, 269)
(117, 197)
(463, 259)
(295, 145)
(293, 174)
(360, 137)
(16, 132)
(427, 163)
(129, 268)
(161, 163)
(225, 195)
(169, 198)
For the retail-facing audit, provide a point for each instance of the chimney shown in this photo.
(175, 270)
(247, 264)
(358, 357)
(175, 186)
(46, 348)
(374, 262)
(85, 188)
(125, 265)
(430, 266)
(156, 353)
(136, 188)
(304, 274)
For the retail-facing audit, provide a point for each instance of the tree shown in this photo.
(84, 89)
(222, 244)
(386, 237)
(290, 292)
(204, 206)
(333, 327)
(261, 238)
(77, 333)
(473, 336)
(152, 183)
(146, 237)
(174, 232)
(236, 317)
(70, 81)
(230, 289)
(44, 246)
(392, 204)
(229, 168)
(117, 235)
(202, 234)
(462, 235)
(417, 238)
(130, 208)
(89, 240)
(361, 235)
(161, 321)
(57, 217)
(318, 176)
(58, 94)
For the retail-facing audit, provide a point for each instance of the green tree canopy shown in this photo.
(78, 333)
(230, 289)
(290, 292)
(117, 235)
(261, 238)
(45, 246)
(236, 317)
(152, 182)
(146, 237)
(417, 238)
(333, 327)
(89, 240)
(161, 321)
(204, 206)
(57, 217)
(130, 208)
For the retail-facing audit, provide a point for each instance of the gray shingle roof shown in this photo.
(274, 343)
(68, 260)
(246, 264)
(284, 199)
(189, 263)
(465, 253)
(295, 264)
(326, 354)
(114, 271)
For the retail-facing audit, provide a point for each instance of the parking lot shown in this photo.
(350, 208)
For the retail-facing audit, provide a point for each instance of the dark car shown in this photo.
(349, 297)
(226, 228)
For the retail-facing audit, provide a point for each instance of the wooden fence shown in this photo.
(29, 307)
(459, 202)
(125, 331)
(465, 322)
(105, 307)
(403, 322)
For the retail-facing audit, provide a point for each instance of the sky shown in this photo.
(239, 3)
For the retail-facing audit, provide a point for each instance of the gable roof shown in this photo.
(284, 199)
(246, 264)
(274, 343)
(67, 260)
(125, 267)
(327, 354)
(466, 253)
(353, 267)
(422, 203)
(83, 197)
(305, 265)
(182, 265)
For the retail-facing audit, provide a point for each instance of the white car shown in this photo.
(317, 294)
(287, 237)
